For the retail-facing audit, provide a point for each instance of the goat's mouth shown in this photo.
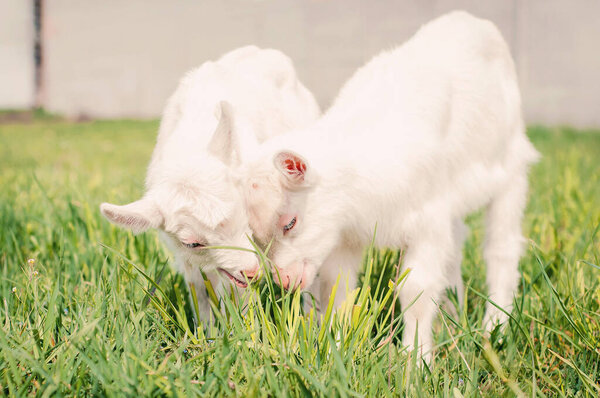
(238, 282)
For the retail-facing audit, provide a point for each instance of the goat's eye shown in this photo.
(193, 245)
(289, 226)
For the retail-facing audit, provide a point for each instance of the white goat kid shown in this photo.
(191, 192)
(417, 139)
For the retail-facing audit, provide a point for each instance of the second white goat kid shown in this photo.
(192, 193)
(418, 138)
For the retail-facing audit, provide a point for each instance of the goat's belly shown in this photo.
(475, 186)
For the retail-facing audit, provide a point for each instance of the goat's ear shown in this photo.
(294, 168)
(137, 216)
(223, 143)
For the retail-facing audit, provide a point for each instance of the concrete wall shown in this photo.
(17, 69)
(123, 58)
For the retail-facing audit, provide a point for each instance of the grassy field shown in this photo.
(76, 317)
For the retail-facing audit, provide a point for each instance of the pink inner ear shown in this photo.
(295, 166)
(285, 219)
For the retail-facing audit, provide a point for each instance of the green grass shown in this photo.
(79, 321)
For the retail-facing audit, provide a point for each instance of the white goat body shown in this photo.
(418, 138)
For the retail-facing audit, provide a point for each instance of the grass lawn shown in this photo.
(77, 319)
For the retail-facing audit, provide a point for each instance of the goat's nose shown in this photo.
(287, 278)
(250, 273)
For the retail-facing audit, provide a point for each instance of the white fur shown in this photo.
(191, 192)
(418, 138)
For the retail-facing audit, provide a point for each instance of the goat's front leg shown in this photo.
(427, 257)
(344, 264)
